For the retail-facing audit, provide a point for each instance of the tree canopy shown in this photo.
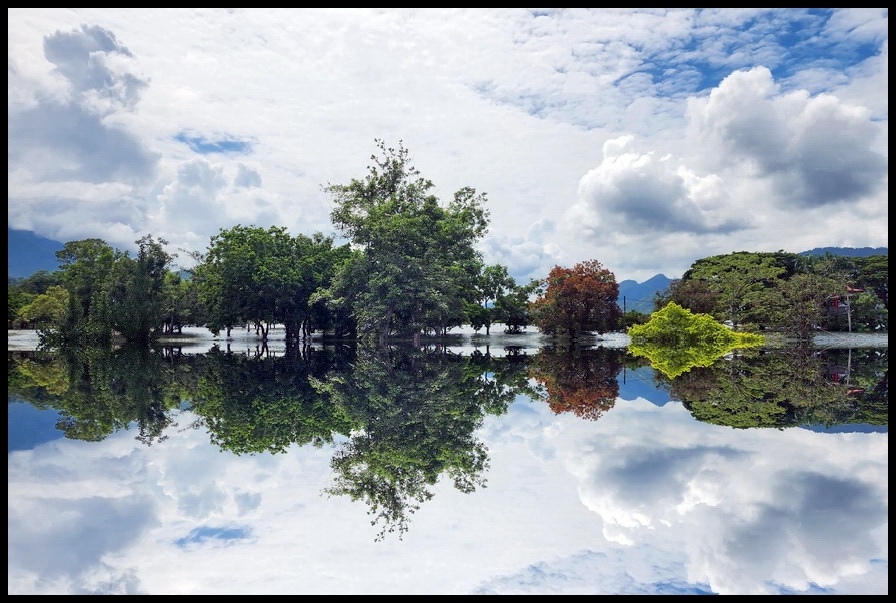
(577, 300)
(417, 264)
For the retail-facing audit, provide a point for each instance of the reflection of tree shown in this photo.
(863, 376)
(409, 416)
(500, 379)
(98, 391)
(578, 380)
(419, 411)
(252, 405)
(779, 388)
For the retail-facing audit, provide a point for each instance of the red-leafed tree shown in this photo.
(578, 300)
(576, 380)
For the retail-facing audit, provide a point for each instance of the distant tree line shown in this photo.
(786, 292)
(410, 269)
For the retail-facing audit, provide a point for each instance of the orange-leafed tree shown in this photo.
(578, 300)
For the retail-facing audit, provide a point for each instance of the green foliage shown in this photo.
(137, 295)
(786, 292)
(99, 391)
(265, 405)
(45, 309)
(634, 317)
(265, 276)
(420, 412)
(677, 340)
(740, 282)
(87, 270)
(755, 388)
(418, 266)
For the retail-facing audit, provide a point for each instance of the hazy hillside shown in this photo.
(639, 296)
(28, 253)
(853, 252)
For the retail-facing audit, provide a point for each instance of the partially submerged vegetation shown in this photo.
(410, 269)
(676, 340)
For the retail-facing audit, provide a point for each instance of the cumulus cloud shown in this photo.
(815, 150)
(648, 137)
(631, 192)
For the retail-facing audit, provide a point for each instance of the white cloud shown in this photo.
(739, 132)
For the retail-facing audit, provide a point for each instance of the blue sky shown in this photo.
(642, 138)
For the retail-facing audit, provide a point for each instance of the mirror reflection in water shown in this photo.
(495, 466)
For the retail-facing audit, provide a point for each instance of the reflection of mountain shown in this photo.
(29, 426)
(640, 383)
(863, 428)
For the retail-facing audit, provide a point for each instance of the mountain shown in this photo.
(853, 252)
(639, 296)
(29, 253)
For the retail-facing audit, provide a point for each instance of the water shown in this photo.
(632, 495)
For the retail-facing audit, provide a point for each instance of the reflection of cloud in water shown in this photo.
(645, 500)
(757, 511)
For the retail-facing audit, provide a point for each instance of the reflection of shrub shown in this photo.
(676, 340)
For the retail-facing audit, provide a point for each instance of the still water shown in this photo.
(510, 467)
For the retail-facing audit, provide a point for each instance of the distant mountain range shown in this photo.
(29, 253)
(639, 296)
(853, 252)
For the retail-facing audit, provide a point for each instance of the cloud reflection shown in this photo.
(644, 501)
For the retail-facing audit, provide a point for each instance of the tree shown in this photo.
(45, 309)
(694, 294)
(677, 340)
(492, 286)
(872, 272)
(801, 303)
(513, 308)
(87, 268)
(578, 299)
(181, 303)
(265, 277)
(742, 281)
(138, 292)
(417, 263)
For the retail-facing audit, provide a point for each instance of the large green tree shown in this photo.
(138, 290)
(87, 269)
(740, 282)
(493, 285)
(417, 264)
(264, 277)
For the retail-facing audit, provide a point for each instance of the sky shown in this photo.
(646, 500)
(644, 139)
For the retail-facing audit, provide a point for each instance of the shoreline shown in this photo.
(201, 340)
